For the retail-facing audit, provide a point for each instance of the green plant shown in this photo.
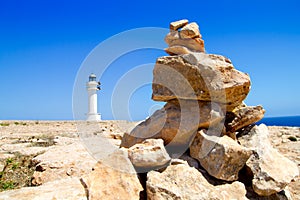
(15, 165)
(9, 160)
(8, 185)
(16, 123)
(4, 124)
(24, 124)
(17, 172)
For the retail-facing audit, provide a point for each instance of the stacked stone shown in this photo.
(204, 112)
(186, 41)
(199, 89)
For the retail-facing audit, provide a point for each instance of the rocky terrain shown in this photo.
(203, 144)
(46, 159)
(205, 119)
(56, 146)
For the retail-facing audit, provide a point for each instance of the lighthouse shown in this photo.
(92, 87)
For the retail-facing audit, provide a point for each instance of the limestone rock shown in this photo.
(272, 171)
(221, 157)
(280, 138)
(55, 165)
(183, 182)
(195, 44)
(67, 189)
(282, 195)
(245, 116)
(177, 50)
(116, 180)
(178, 24)
(176, 123)
(151, 153)
(190, 31)
(199, 76)
(23, 148)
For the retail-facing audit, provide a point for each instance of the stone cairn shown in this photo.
(204, 144)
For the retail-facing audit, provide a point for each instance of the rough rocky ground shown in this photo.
(45, 159)
(287, 141)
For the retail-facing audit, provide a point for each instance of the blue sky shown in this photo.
(44, 43)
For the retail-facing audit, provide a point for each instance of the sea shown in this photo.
(281, 121)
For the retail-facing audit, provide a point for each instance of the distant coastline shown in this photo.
(269, 121)
(281, 121)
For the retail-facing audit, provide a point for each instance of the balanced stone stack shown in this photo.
(206, 120)
(200, 90)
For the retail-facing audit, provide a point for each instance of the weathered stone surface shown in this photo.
(272, 171)
(283, 139)
(282, 195)
(177, 50)
(24, 149)
(176, 123)
(115, 178)
(199, 76)
(244, 116)
(221, 157)
(67, 189)
(178, 24)
(190, 31)
(54, 164)
(151, 153)
(195, 44)
(183, 182)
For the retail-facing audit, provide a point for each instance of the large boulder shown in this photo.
(149, 154)
(176, 123)
(272, 172)
(114, 178)
(221, 157)
(183, 182)
(199, 76)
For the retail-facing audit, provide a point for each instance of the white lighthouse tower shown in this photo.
(92, 87)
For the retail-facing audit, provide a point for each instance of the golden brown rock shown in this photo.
(116, 180)
(244, 116)
(199, 76)
(221, 157)
(195, 44)
(190, 31)
(177, 50)
(178, 24)
(150, 154)
(176, 123)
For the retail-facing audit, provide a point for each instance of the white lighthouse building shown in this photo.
(92, 87)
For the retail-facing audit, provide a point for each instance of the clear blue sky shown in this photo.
(43, 44)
